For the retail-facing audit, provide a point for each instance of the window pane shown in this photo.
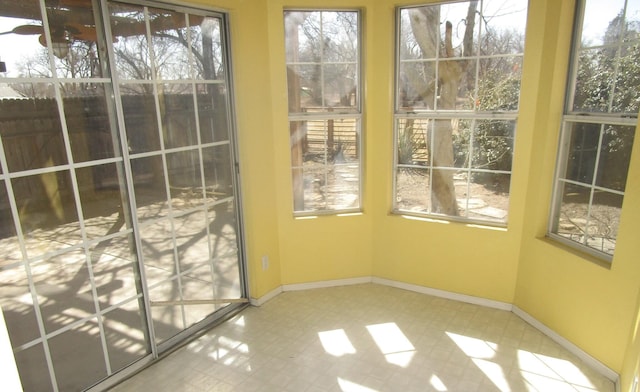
(169, 43)
(594, 222)
(596, 155)
(322, 60)
(573, 212)
(583, 151)
(149, 188)
(626, 95)
(600, 21)
(415, 89)
(594, 80)
(140, 118)
(340, 86)
(205, 40)
(456, 84)
(493, 145)
(327, 158)
(212, 112)
(17, 305)
(607, 79)
(74, 40)
(604, 220)
(178, 115)
(100, 192)
(463, 56)
(499, 84)
(9, 245)
(323, 77)
(502, 27)
(340, 34)
(31, 130)
(87, 114)
(192, 242)
(615, 155)
(489, 196)
(217, 172)
(63, 288)
(32, 366)
(115, 270)
(123, 334)
(157, 252)
(48, 213)
(411, 189)
(131, 47)
(28, 56)
(444, 192)
(501, 32)
(185, 180)
(88, 356)
(302, 36)
(412, 142)
(462, 143)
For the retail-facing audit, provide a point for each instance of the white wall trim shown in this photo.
(326, 283)
(266, 298)
(566, 344)
(445, 294)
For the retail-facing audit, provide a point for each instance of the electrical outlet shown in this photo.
(265, 262)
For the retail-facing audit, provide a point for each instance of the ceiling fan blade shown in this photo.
(25, 30)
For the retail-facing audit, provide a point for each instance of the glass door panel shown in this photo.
(119, 225)
(181, 160)
(71, 290)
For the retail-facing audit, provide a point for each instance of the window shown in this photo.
(457, 91)
(599, 121)
(323, 75)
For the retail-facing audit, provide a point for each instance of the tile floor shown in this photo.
(365, 338)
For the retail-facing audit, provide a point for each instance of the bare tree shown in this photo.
(425, 25)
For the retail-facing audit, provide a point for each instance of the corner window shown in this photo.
(458, 77)
(323, 76)
(601, 110)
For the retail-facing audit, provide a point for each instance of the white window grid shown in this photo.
(329, 113)
(86, 244)
(573, 116)
(435, 113)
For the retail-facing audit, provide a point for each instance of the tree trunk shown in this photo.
(425, 24)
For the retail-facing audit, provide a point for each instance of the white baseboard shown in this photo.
(567, 345)
(445, 294)
(326, 283)
(266, 298)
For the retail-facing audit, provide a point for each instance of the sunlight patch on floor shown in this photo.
(395, 346)
(349, 386)
(336, 342)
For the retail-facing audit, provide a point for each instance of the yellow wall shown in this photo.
(252, 82)
(324, 247)
(592, 306)
(449, 256)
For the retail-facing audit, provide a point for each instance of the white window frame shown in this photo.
(570, 117)
(333, 116)
(472, 115)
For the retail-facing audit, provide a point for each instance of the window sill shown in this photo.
(577, 250)
(474, 223)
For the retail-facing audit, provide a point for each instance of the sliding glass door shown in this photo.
(119, 207)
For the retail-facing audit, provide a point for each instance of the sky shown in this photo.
(15, 47)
